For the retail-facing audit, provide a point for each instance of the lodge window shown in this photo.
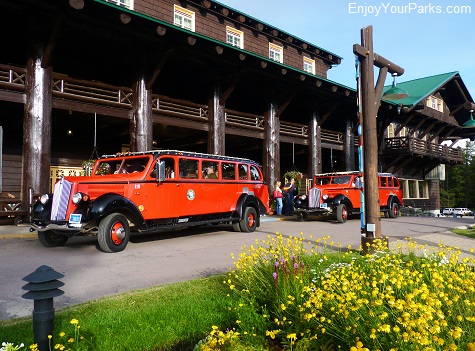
(391, 131)
(414, 189)
(435, 103)
(309, 65)
(184, 18)
(124, 3)
(276, 52)
(234, 37)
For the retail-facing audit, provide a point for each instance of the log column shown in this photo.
(349, 147)
(314, 146)
(141, 126)
(37, 125)
(216, 123)
(271, 156)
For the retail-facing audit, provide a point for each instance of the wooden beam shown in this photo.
(158, 69)
(161, 30)
(227, 93)
(436, 134)
(50, 45)
(392, 163)
(327, 114)
(428, 128)
(287, 101)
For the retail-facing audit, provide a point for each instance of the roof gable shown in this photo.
(421, 88)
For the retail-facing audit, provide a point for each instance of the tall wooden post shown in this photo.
(216, 123)
(371, 96)
(315, 146)
(271, 152)
(141, 127)
(37, 125)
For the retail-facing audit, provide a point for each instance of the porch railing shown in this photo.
(408, 144)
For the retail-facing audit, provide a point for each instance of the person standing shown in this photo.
(289, 192)
(278, 196)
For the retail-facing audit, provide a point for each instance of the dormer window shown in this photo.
(184, 18)
(309, 65)
(234, 37)
(435, 103)
(124, 3)
(276, 52)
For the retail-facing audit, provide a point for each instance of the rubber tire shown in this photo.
(109, 227)
(341, 213)
(394, 210)
(249, 221)
(236, 227)
(51, 239)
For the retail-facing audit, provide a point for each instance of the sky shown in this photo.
(425, 37)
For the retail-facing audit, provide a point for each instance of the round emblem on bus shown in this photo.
(190, 194)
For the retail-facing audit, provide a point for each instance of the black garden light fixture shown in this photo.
(42, 287)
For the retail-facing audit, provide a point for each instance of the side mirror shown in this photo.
(160, 170)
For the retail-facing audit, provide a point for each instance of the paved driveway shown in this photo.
(174, 256)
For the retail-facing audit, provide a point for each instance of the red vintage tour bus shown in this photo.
(152, 191)
(338, 194)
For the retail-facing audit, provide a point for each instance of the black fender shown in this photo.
(114, 203)
(342, 199)
(42, 212)
(393, 199)
(246, 200)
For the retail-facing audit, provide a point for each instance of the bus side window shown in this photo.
(209, 170)
(169, 167)
(384, 182)
(255, 173)
(243, 170)
(188, 168)
(229, 171)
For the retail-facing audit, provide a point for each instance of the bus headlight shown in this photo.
(44, 199)
(78, 197)
(303, 197)
(325, 196)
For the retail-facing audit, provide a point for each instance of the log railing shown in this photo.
(409, 144)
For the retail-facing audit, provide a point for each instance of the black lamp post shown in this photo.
(370, 100)
(42, 288)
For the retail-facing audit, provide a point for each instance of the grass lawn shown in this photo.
(173, 317)
(470, 233)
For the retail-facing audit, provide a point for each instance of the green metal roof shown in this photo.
(419, 89)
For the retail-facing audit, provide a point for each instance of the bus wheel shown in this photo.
(394, 210)
(50, 239)
(341, 213)
(114, 233)
(249, 221)
(237, 227)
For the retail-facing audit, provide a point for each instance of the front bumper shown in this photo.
(63, 227)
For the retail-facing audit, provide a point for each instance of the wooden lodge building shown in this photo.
(86, 77)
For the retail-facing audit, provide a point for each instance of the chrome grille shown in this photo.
(62, 190)
(314, 195)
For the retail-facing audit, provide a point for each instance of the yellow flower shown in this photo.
(74, 321)
(62, 334)
(292, 336)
